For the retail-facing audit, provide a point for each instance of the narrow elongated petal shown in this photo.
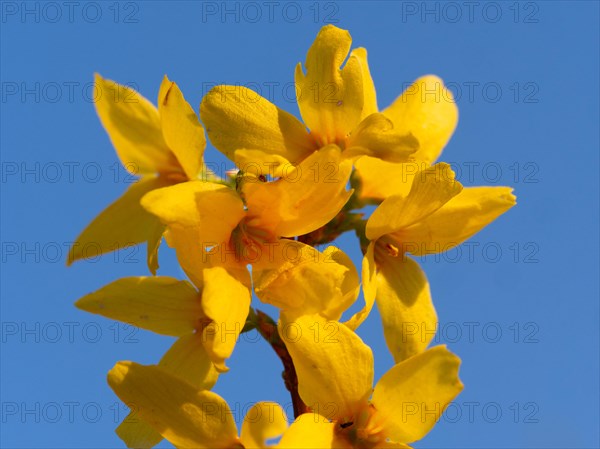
(238, 118)
(330, 99)
(334, 366)
(370, 96)
(181, 128)
(369, 286)
(411, 396)
(133, 125)
(323, 282)
(187, 360)
(459, 219)
(188, 418)
(263, 421)
(404, 302)
(305, 198)
(160, 304)
(214, 210)
(152, 245)
(426, 110)
(226, 301)
(431, 189)
(122, 224)
(381, 179)
(311, 431)
(375, 136)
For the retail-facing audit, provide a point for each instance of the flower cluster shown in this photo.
(298, 184)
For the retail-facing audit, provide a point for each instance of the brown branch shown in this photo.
(268, 329)
(342, 222)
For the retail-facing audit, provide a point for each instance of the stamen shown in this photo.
(392, 250)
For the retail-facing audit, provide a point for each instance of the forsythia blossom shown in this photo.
(402, 407)
(255, 233)
(337, 105)
(164, 146)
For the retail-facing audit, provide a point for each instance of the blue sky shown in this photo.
(518, 303)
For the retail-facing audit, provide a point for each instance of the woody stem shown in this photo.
(267, 327)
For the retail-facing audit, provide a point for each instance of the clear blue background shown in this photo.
(530, 121)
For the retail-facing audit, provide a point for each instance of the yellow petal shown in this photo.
(181, 128)
(380, 179)
(431, 189)
(159, 304)
(133, 125)
(426, 110)
(256, 162)
(226, 301)
(137, 433)
(334, 366)
(263, 421)
(370, 101)
(411, 396)
(404, 302)
(214, 210)
(305, 198)
(186, 417)
(325, 283)
(391, 445)
(122, 224)
(195, 255)
(369, 286)
(330, 100)
(191, 254)
(460, 218)
(187, 360)
(152, 244)
(238, 118)
(311, 431)
(375, 136)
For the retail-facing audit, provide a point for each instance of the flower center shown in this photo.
(247, 240)
(387, 246)
(320, 140)
(174, 176)
(364, 431)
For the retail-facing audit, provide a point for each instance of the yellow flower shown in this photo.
(200, 319)
(436, 215)
(335, 377)
(211, 225)
(216, 234)
(164, 146)
(425, 110)
(189, 417)
(337, 104)
(216, 312)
